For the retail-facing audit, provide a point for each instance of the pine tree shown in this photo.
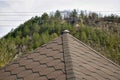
(57, 15)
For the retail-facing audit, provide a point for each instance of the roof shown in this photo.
(64, 58)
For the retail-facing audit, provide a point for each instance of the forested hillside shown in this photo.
(100, 32)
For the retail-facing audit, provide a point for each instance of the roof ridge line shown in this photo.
(67, 58)
(95, 51)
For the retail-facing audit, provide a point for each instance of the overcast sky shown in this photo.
(15, 12)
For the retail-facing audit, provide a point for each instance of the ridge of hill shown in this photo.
(101, 33)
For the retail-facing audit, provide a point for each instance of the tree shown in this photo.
(45, 37)
(54, 35)
(83, 36)
(7, 51)
(93, 16)
(73, 16)
(18, 33)
(82, 14)
(36, 40)
(36, 27)
(36, 36)
(45, 17)
(57, 15)
(26, 30)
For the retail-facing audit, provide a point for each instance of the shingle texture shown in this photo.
(84, 63)
(64, 58)
(45, 63)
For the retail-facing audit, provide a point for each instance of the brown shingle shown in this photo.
(39, 68)
(46, 71)
(64, 58)
(13, 77)
(11, 67)
(42, 78)
(54, 74)
(4, 75)
(24, 73)
(61, 77)
(54, 62)
(41, 64)
(32, 65)
(87, 64)
(32, 76)
(17, 70)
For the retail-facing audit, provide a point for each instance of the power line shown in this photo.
(7, 25)
(12, 20)
(16, 15)
(22, 12)
(10, 0)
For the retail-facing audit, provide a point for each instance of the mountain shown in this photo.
(101, 33)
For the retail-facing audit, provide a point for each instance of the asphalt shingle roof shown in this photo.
(64, 58)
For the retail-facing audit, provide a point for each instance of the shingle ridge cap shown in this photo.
(99, 54)
(67, 58)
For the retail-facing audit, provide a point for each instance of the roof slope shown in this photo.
(84, 63)
(45, 63)
(64, 58)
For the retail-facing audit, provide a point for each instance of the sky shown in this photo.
(15, 12)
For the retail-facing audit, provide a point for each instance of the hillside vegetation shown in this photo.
(101, 33)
